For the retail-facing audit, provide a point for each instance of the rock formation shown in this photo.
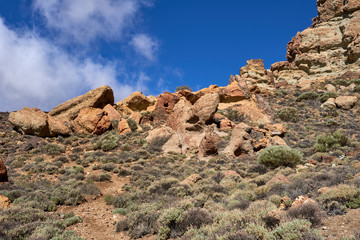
(327, 49)
(96, 98)
(35, 122)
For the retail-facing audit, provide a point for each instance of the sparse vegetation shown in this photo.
(183, 87)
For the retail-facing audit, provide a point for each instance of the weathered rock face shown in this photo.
(91, 120)
(232, 93)
(346, 102)
(96, 98)
(164, 106)
(136, 102)
(112, 113)
(3, 172)
(257, 78)
(208, 144)
(35, 122)
(330, 47)
(123, 127)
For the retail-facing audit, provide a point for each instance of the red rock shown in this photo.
(3, 172)
(123, 127)
(164, 106)
(136, 102)
(190, 96)
(90, 120)
(102, 126)
(112, 113)
(208, 144)
(231, 93)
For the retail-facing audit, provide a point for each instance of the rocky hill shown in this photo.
(275, 154)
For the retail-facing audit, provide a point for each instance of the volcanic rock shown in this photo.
(112, 113)
(346, 102)
(3, 172)
(136, 102)
(91, 120)
(123, 127)
(208, 144)
(240, 143)
(4, 202)
(96, 98)
(164, 106)
(35, 122)
(329, 48)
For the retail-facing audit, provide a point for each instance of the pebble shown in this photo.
(324, 228)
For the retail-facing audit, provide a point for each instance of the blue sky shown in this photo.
(53, 50)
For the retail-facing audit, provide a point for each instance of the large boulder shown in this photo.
(91, 120)
(346, 102)
(3, 172)
(232, 93)
(208, 144)
(137, 101)
(35, 122)
(96, 98)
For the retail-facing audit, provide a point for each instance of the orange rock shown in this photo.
(136, 116)
(231, 93)
(112, 113)
(88, 119)
(123, 127)
(301, 200)
(192, 180)
(4, 202)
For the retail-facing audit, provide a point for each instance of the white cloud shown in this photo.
(144, 45)
(36, 73)
(87, 20)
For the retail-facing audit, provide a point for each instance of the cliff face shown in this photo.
(329, 48)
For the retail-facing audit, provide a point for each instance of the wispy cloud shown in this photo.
(83, 21)
(145, 46)
(36, 73)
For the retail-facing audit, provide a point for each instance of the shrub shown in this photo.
(53, 149)
(107, 141)
(288, 114)
(345, 195)
(334, 140)
(132, 124)
(73, 220)
(309, 211)
(233, 115)
(275, 156)
(183, 87)
(295, 230)
(307, 96)
(325, 96)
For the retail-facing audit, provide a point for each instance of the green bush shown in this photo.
(288, 114)
(307, 96)
(295, 230)
(347, 196)
(107, 141)
(325, 96)
(53, 149)
(73, 220)
(232, 114)
(275, 156)
(334, 140)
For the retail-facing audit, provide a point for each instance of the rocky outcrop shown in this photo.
(123, 127)
(257, 78)
(3, 172)
(208, 144)
(96, 98)
(32, 121)
(4, 202)
(329, 48)
(137, 101)
(112, 113)
(91, 120)
(164, 106)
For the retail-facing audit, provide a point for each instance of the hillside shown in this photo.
(275, 154)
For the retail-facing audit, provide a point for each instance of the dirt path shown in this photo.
(98, 222)
(337, 227)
